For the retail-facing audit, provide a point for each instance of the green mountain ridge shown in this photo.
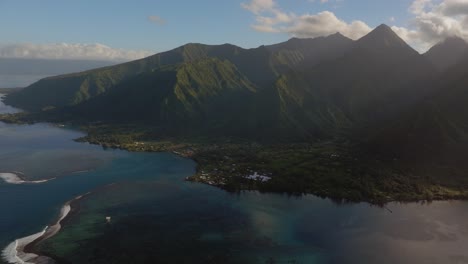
(296, 90)
(260, 65)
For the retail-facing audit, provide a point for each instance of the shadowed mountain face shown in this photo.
(434, 127)
(431, 137)
(380, 76)
(306, 53)
(447, 53)
(299, 89)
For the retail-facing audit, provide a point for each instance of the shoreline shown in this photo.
(21, 250)
(228, 164)
(225, 165)
(236, 179)
(15, 178)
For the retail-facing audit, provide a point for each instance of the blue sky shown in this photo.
(125, 25)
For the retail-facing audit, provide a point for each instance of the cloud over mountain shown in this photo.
(271, 18)
(432, 21)
(70, 51)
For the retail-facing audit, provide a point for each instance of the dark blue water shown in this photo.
(28, 207)
(311, 229)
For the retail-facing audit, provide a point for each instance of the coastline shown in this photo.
(332, 169)
(15, 178)
(230, 165)
(21, 251)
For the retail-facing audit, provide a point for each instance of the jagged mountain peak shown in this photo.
(383, 37)
(335, 36)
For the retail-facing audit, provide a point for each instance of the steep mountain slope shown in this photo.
(305, 111)
(436, 128)
(447, 53)
(211, 97)
(183, 98)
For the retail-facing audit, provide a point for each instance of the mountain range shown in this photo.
(376, 89)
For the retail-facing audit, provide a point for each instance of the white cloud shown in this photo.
(157, 20)
(69, 51)
(435, 20)
(257, 6)
(419, 6)
(322, 24)
(454, 8)
(271, 18)
(322, 1)
(412, 37)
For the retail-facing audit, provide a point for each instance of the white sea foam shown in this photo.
(64, 212)
(13, 178)
(14, 253)
(51, 231)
